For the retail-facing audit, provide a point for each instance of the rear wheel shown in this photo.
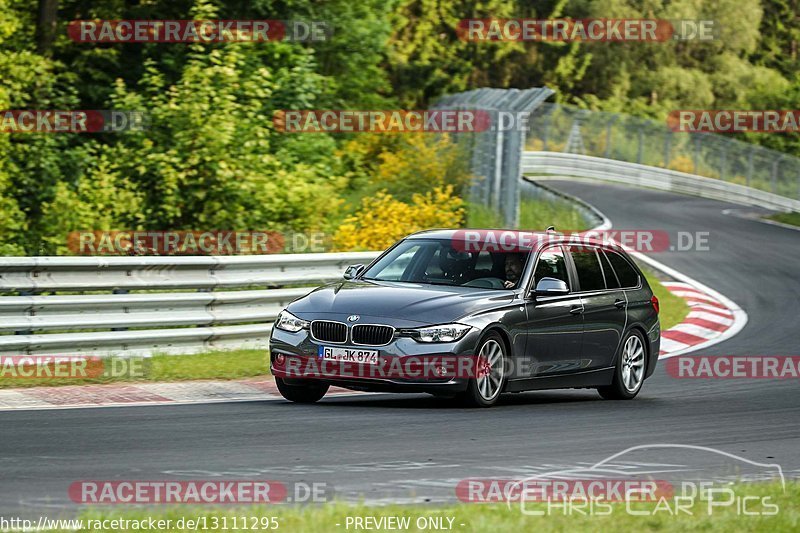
(301, 393)
(629, 371)
(484, 389)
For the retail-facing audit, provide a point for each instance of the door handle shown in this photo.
(619, 304)
(576, 310)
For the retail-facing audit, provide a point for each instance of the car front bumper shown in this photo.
(397, 371)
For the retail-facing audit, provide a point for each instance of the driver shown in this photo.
(513, 268)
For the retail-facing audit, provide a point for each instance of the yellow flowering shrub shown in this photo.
(537, 145)
(404, 165)
(682, 164)
(421, 162)
(383, 220)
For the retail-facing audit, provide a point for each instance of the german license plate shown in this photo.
(348, 355)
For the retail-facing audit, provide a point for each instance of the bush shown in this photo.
(382, 219)
(407, 164)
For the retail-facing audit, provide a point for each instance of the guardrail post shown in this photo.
(723, 163)
(749, 165)
(774, 178)
(545, 131)
(640, 148)
(25, 331)
(119, 291)
(497, 179)
(667, 148)
(609, 128)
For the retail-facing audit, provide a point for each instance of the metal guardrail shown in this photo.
(622, 137)
(568, 164)
(174, 322)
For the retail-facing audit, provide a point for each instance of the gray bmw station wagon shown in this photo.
(478, 313)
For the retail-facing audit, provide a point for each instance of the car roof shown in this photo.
(529, 240)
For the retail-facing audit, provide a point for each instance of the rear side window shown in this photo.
(608, 272)
(627, 275)
(590, 275)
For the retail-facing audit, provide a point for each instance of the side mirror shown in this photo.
(551, 287)
(353, 271)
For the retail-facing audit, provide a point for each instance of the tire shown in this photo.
(307, 393)
(630, 369)
(484, 390)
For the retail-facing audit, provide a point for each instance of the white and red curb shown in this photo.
(713, 317)
(141, 394)
(708, 319)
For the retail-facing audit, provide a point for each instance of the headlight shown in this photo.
(288, 322)
(443, 333)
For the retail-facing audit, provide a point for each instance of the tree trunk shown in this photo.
(46, 26)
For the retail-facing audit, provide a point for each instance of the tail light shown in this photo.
(656, 306)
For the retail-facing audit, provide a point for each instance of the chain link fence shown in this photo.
(495, 154)
(559, 128)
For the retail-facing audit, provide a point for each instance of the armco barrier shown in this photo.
(205, 314)
(567, 164)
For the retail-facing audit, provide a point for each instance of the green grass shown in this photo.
(481, 216)
(535, 215)
(499, 517)
(786, 218)
(234, 364)
(673, 308)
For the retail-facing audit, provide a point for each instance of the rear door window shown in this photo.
(590, 275)
(611, 278)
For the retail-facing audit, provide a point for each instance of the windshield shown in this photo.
(443, 262)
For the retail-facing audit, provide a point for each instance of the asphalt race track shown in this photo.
(415, 448)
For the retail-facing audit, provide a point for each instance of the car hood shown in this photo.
(398, 304)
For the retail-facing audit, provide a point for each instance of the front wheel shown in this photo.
(629, 371)
(485, 387)
(306, 393)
